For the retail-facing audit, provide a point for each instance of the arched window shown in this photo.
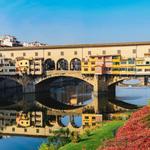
(75, 64)
(49, 64)
(62, 64)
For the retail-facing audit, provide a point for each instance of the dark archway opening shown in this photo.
(49, 64)
(62, 64)
(61, 91)
(75, 64)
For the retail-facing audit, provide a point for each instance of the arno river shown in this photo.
(133, 95)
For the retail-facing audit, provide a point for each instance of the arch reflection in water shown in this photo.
(10, 92)
(67, 90)
(65, 120)
(76, 121)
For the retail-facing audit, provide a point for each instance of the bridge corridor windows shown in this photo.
(62, 64)
(75, 64)
(49, 64)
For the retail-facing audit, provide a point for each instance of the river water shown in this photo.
(133, 95)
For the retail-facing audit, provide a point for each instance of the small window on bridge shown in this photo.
(104, 52)
(36, 53)
(24, 54)
(89, 53)
(12, 54)
(134, 51)
(37, 131)
(13, 129)
(118, 52)
(75, 52)
(25, 130)
(61, 53)
(49, 53)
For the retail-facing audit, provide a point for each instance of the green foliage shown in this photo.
(88, 132)
(43, 146)
(52, 147)
(75, 137)
(148, 101)
(96, 139)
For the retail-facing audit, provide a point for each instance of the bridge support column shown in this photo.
(145, 80)
(95, 102)
(29, 88)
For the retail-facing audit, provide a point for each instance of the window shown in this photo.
(89, 52)
(86, 123)
(148, 50)
(49, 53)
(37, 130)
(103, 52)
(93, 69)
(93, 124)
(93, 118)
(24, 54)
(25, 130)
(36, 53)
(13, 129)
(75, 52)
(118, 52)
(50, 131)
(85, 69)
(93, 62)
(123, 62)
(134, 51)
(62, 53)
(147, 70)
(86, 117)
(147, 62)
(12, 54)
(0, 54)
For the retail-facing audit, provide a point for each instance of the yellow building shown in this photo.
(127, 66)
(23, 65)
(88, 65)
(23, 120)
(91, 119)
(116, 64)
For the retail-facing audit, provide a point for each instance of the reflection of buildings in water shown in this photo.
(63, 89)
(7, 117)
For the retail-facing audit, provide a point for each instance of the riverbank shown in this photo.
(96, 137)
(135, 134)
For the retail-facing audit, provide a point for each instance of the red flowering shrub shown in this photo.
(134, 135)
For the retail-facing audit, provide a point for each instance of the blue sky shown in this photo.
(76, 21)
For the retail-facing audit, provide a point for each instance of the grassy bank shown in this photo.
(96, 138)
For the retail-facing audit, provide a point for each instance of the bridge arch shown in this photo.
(67, 75)
(62, 64)
(49, 64)
(75, 64)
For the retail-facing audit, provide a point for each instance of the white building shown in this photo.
(32, 44)
(7, 117)
(7, 66)
(9, 41)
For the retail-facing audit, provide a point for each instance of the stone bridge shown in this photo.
(103, 86)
